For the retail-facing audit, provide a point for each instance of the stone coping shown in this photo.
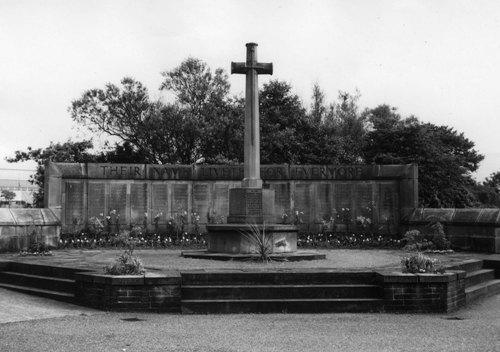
(285, 256)
(470, 216)
(27, 216)
(398, 277)
(148, 278)
(229, 172)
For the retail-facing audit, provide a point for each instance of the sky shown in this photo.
(435, 59)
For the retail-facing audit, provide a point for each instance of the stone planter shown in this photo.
(423, 293)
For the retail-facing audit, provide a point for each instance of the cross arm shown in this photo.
(260, 68)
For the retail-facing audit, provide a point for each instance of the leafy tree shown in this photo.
(58, 152)
(125, 113)
(318, 107)
(445, 157)
(347, 127)
(195, 87)
(488, 192)
(8, 195)
(493, 181)
(286, 134)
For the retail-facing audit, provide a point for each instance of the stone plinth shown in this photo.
(251, 206)
(237, 238)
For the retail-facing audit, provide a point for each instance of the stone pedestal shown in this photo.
(238, 238)
(251, 206)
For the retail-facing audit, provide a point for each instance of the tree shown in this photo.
(195, 87)
(318, 107)
(126, 113)
(493, 181)
(57, 152)
(287, 136)
(488, 192)
(347, 128)
(445, 157)
(8, 195)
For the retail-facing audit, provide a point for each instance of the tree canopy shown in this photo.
(445, 157)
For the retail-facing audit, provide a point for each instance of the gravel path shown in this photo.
(474, 329)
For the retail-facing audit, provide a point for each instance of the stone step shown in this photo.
(240, 277)
(56, 295)
(282, 306)
(198, 292)
(482, 290)
(468, 265)
(476, 277)
(37, 281)
(43, 270)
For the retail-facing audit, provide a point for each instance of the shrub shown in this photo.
(125, 264)
(419, 263)
(261, 242)
(415, 241)
(439, 237)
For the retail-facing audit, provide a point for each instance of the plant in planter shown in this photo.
(261, 242)
(126, 264)
(420, 263)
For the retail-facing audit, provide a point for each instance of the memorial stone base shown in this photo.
(238, 238)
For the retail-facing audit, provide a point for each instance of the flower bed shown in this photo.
(199, 241)
(347, 240)
(124, 239)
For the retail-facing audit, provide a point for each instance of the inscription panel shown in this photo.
(303, 200)
(116, 171)
(96, 199)
(169, 172)
(343, 203)
(138, 202)
(253, 202)
(363, 200)
(325, 172)
(220, 203)
(74, 203)
(180, 197)
(118, 200)
(387, 202)
(159, 201)
(201, 200)
(281, 198)
(324, 201)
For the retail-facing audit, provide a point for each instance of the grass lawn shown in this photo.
(171, 259)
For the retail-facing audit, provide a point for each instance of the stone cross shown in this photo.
(252, 69)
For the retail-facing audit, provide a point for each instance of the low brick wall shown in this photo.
(423, 293)
(416, 293)
(148, 292)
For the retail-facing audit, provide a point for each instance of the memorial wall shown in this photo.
(346, 198)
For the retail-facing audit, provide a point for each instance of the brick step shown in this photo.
(43, 270)
(37, 281)
(214, 292)
(482, 290)
(191, 278)
(468, 265)
(56, 295)
(282, 306)
(476, 277)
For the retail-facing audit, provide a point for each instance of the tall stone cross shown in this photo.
(252, 69)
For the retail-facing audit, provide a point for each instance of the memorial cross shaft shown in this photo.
(252, 69)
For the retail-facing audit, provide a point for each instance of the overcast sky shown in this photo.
(438, 60)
